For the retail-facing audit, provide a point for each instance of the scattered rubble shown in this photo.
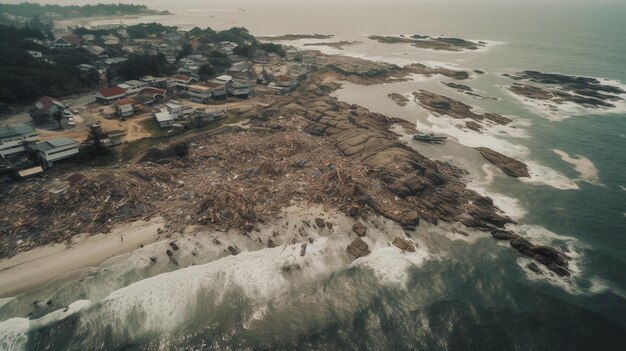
(403, 244)
(358, 248)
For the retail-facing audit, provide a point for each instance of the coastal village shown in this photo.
(120, 111)
(219, 130)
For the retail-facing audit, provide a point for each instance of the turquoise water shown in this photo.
(466, 295)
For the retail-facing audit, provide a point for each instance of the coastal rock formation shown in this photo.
(443, 105)
(358, 248)
(427, 42)
(559, 89)
(460, 87)
(508, 165)
(325, 152)
(403, 244)
(399, 99)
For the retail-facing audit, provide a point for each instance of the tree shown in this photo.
(58, 116)
(184, 52)
(206, 71)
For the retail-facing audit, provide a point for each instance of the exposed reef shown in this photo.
(433, 43)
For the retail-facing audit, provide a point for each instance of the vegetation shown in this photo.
(144, 30)
(24, 78)
(13, 12)
(139, 65)
(219, 60)
(237, 35)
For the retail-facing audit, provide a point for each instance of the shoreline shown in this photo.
(33, 269)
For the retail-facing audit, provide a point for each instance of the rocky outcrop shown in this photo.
(403, 244)
(427, 42)
(460, 87)
(358, 248)
(508, 165)
(399, 99)
(559, 89)
(443, 105)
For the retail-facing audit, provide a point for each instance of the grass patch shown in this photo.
(151, 126)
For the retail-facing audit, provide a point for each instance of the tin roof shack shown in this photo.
(13, 139)
(125, 107)
(106, 96)
(54, 150)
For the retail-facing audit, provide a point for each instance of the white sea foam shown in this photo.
(13, 331)
(509, 205)
(587, 170)
(13, 334)
(544, 175)
(390, 265)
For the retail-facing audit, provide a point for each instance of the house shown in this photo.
(54, 150)
(164, 119)
(14, 138)
(114, 138)
(228, 47)
(286, 82)
(292, 53)
(35, 54)
(150, 95)
(109, 95)
(199, 93)
(239, 67)
(132, 86)
(174, 109)
(171, 36)
(89, 37)
(241, 87)
(98, 51)
(125, 107)
(110, 39)
(218, 89)
(44, 110)
(68, 41)
(182, 82)
(223, 79)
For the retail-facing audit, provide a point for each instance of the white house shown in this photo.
(125, 107)
(54, 150)
(132, 86)
(12, 139)
(174, 109)
(164, 119)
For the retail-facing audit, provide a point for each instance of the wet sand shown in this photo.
(42, 265)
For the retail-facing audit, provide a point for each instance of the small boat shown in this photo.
(430, 138)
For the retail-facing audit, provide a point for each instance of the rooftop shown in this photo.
(109, 92)
(54, 143)
(20, 129)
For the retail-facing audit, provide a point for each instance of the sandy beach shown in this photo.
(42, 265)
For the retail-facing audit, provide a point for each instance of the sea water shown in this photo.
(454, 292)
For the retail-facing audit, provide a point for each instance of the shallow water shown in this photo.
(454, 293)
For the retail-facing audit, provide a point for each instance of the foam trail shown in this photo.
(587, 170)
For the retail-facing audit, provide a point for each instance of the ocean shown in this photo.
(455, 293)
